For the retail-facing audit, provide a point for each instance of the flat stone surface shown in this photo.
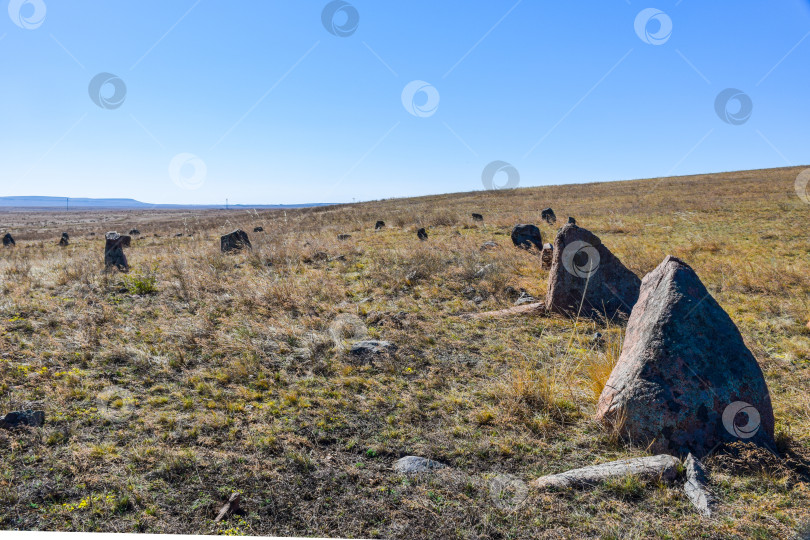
(416, 464)
(652, 467)
(586, 279)
(685, 381)
(372, 347)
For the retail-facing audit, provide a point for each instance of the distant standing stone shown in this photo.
(258, 229)
(379, 225)
(134, 232)
(416, 464)
(114, 251)
(8, 240)
(548, 216)
(526, 236)
(234, 241)
(477, 217)
(422, 234)
(65, 240)
(586, 279)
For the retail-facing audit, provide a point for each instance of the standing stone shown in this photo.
(477, 217)
(258, 229)
(526, 236)
(685, 381)
(546, 256)
(548, 216)
(114, 251)
(234, 241)
(8, 240)
(422, 234)
(65, 240)
(379, 225)
(587, 279)
(134, 232)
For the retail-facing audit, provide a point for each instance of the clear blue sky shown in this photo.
(280, 110)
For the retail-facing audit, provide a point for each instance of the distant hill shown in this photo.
(60, 203)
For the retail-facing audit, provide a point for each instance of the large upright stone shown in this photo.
(8, 240)
(234, 241)
(587, 279)
(65, 240)
(548, 215)
(526, 236)
(114, 251)
(685, 380)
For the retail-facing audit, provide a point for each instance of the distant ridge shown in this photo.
(60, 203)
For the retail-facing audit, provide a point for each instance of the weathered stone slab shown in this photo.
(416, 464)
(651, 467)
(696, 486)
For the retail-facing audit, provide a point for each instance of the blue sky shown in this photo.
(259, 102)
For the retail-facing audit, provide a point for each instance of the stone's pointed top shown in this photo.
(685, 381)
(586, 279)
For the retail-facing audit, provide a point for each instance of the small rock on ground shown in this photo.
(416, 464)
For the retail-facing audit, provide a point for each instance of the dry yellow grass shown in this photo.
(199, 374)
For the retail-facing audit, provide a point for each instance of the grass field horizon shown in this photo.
(198, 374)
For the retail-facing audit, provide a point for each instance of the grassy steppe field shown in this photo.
(198, 374)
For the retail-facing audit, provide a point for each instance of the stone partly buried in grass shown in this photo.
(586, 279)
(685, 381)
(23, 418)
(416, 464)
(370, 349)
(650, 468)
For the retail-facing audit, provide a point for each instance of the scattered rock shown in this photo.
(422, 234)
(547, 215)
(114, 251)
(342, 237)
(23, 418)
(8, 240)
(416, 464)
(235, 241)
(379, 225)
(538, 308)
(65, 240)
(685, 381)
(134, 232)
(477, 217)
(488, 245)
(650, 467)
(696, 486)
(526, 236)
(178, 235)
(525, 298)
(367, 350)
(546, 256)
(586, 279)
(485, 270)
(572, 221)
(258, 229)
(230, 507)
